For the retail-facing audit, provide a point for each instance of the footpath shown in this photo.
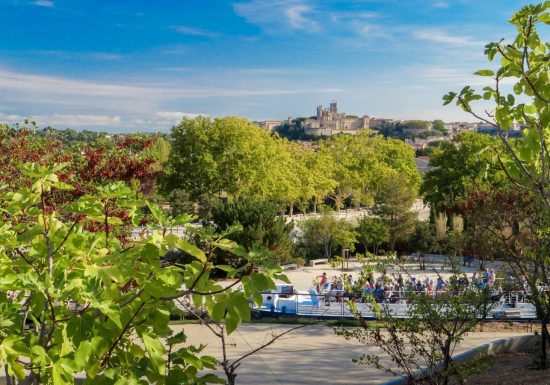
(310, 355)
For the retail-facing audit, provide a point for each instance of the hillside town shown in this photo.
(419, 134)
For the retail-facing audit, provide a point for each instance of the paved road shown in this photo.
(311, 355)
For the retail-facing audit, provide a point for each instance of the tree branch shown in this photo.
(275, 338)
(126, 327)
(65, 238)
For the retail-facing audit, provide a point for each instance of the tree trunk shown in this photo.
(291, 209)
(446, 361)
(393, 242)
(544, 342)
(327, 250)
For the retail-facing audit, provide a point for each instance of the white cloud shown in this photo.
(439, 36)
(456, 76)
(44, 3)
(80, 120)
(104, 56)
(274, 15)
(368, 30)
(172, 116)
(441, 5)
(297, 18)
(80, 55)
(66, 120)
(177, 49)
(65, 102)
(191, 31)
(348, 15)
(65, 87)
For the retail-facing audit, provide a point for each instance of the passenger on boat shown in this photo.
(440, 284)
(492, 277)
(378, 293)
(475, 280)
(324, 284)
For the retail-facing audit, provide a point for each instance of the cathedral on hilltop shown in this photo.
(330, 122)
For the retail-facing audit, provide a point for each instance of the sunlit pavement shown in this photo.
(311, 355)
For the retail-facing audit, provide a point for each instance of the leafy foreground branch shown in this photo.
(220, 331)
(422, 344)
(523, 63)
(76, 299)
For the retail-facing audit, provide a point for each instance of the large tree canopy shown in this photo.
(458, 165)
(231, 158)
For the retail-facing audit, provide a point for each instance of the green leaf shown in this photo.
(484, 73)
(449, 98)
(112, 311)
(242, 306)
(155, 351)
(218, 311)
(178, 338)
(39, 355)
(82, 355)
(192, 250)
(63, 186)
(157, 213)
(59, 376)
(231, 322)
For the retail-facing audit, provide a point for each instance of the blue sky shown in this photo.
(140, 65)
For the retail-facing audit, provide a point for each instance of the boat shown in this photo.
(286, 300)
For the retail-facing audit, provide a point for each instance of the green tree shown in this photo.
(160, 150)
(347, 170)
(372, 232)
(417, 124)
(511, 225)
(317, 176)
(344, 236)
(457, 166)
(230, 158)
(393, 204)
(423, 239)
(320, 237)
(259, 224)
(98, 304)
(426, 339)
(360, 162)
(524, 63)
(439, 125)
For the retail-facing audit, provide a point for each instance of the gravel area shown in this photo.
(512, 369)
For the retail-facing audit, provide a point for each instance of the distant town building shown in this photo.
(381, 123)
(483, 126)
(460, 126)
(330, 122)
(271, 125)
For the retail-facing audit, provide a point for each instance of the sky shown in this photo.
(138, 65)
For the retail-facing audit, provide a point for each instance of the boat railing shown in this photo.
(334, 303)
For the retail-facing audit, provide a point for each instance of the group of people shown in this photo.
(387, 288)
